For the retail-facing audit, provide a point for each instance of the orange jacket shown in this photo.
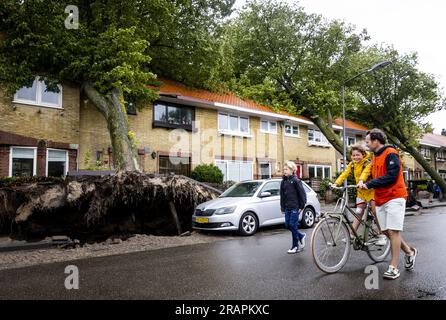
(379, 169)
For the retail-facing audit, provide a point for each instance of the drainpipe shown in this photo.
(283, 143)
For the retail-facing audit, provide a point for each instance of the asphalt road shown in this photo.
(257, 268)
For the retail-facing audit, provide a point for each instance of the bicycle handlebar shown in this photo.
(350, 186)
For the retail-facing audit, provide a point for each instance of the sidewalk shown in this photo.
(435, 203)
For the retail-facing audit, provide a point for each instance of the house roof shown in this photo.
(433, 140)
(349, 124)
(180, 91)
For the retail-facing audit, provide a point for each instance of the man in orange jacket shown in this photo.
(390, 198)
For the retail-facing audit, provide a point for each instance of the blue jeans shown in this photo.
(292, 223)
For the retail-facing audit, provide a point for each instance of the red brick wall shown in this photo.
(4, 161)
(9, 139)
(72, 160)
(41, 159)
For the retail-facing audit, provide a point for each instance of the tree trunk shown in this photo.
(331, 136)
(124, 155)
(420, 159)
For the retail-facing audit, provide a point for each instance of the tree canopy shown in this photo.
(286, 57)
(117, 50)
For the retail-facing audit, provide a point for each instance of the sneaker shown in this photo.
(293, 250)
(302, 241)
(410, 260)
(382, 240)
(392, 273)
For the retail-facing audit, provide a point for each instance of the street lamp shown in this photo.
(375, 67)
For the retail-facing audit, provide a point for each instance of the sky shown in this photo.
(408, 25)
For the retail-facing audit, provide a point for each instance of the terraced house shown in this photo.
(433, 148)
(186, 127)
(39, 131)
(48, 133)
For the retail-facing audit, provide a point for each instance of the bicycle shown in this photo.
(331, 242)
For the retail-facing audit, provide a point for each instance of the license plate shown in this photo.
(202, 220)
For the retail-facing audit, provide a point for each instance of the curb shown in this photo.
(22, 245)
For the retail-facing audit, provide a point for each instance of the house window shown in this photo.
(39, 94)
(351, 141)
(244, 125)
(233, 124)
(223, 122)
(57, 163)
(315, 137)
(235, 170)
(175, 165)
(440, 155)
(406, 176)
(268, 126)
(426, 152)
(265, 170)
(168, 115)
(23, 162)
(292, 131)
(319, 171)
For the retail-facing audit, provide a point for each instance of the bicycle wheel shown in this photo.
(330, 245)
(375, 252)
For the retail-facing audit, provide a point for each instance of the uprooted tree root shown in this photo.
(97, 207)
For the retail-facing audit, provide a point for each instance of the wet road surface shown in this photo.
(257, 267)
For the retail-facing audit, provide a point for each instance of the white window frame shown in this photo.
(316, 166)
(38, 101)
(323, 143)
(232, 132)
(292, 134)
(270, 168)
(34, 159)
(440, 155)
(406, 175)
(426, 152)
(269, 130)
(66, 160)
(238, 161)
(351, 137)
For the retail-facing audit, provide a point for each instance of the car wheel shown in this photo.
(248, 224)
(308, 218)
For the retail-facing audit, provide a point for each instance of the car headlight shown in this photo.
(225, 210)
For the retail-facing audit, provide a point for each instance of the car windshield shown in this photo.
(245, 189)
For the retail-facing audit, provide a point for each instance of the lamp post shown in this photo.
(375, 67)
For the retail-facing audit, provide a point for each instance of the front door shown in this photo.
(265, 170)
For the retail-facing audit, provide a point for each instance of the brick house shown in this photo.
(47, 133)
(433, 148)
(190, 126)
(39, 131)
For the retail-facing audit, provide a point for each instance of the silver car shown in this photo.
(248, 205)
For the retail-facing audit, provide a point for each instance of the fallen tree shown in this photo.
(97, 207)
